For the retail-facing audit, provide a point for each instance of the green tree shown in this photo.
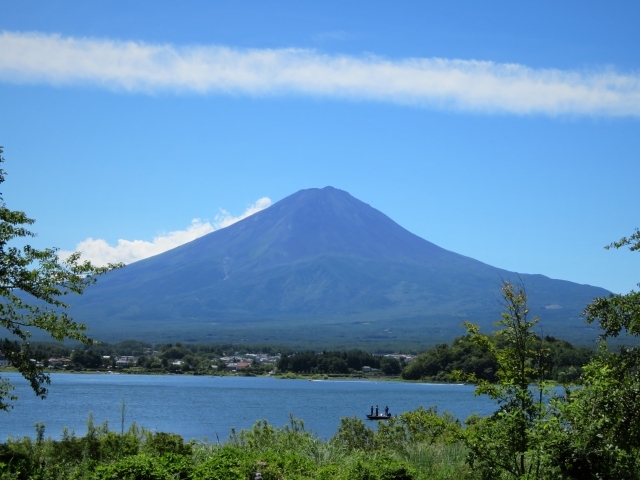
(600, 428)
(86, 359)
(390, 366)
(33, 283)
(506, 443)
(618, 313)
(142, 361)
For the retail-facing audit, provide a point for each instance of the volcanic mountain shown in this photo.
(319, 267)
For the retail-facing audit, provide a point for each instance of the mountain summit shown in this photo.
(319, 266)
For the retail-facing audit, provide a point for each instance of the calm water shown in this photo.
(199, 407)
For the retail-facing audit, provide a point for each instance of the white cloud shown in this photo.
(99, 252)
(224, 218)
(445, 83)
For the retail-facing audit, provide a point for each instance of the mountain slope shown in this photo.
(319, 262)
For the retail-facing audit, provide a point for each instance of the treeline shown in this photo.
(562, 361)
(44, 350)
(149, 358)
(344, 362)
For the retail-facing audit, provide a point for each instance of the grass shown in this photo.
(289, 452)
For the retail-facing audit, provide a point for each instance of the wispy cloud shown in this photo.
(467, 85)
(99, 252)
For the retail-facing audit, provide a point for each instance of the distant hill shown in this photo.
(319, 267)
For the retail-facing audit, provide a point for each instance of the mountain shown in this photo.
(319, 267)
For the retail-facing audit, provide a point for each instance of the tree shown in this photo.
(600, 437)
(505, 443)
(33, 284)
(86, 359)
(390, 366)
(616, 313)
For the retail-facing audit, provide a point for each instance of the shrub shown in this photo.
(137, 467)
(353, 434)
(418, 426)
(227, 464)
(381, 468)
(160, 443)
(277, 465)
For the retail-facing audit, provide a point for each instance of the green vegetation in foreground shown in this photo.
(415, 445)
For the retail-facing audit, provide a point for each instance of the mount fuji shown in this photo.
(317, 268)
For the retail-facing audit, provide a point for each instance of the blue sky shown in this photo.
(502, 131)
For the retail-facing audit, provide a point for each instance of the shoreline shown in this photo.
(286, 376)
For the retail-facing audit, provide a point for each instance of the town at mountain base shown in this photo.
(319, 267)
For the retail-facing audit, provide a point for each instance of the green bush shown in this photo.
(380, 468)
(179, 467)
(160, 443)
(137, 467)
(353, 434)
(229, 463)
(418, 426)
(275, 465)
(414, 443)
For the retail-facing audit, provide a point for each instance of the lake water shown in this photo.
(203, 407)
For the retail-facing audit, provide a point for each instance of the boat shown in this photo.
(379, 415)
(382, 416)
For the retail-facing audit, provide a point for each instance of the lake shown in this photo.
(207, 407)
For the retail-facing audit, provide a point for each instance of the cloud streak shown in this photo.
(99, 252)
(466, 85)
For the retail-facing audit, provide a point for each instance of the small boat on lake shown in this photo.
(379, 416)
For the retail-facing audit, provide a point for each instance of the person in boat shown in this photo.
(372, 410)
(386, 411)
(376, 410)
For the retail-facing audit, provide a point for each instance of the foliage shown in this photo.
(32, 285)
(289, 452)
(617, 313)
(563, 363)
(353, 434)
(390, 366)
(599, 432)
(329, 362)
(590, 432)
(465, 355)
(264, 437)
(506, 442)
(160, 443)
(376, 468)
(125, 347)
(227, 464)
(86, 358)
(419, 426)
(137, 467)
